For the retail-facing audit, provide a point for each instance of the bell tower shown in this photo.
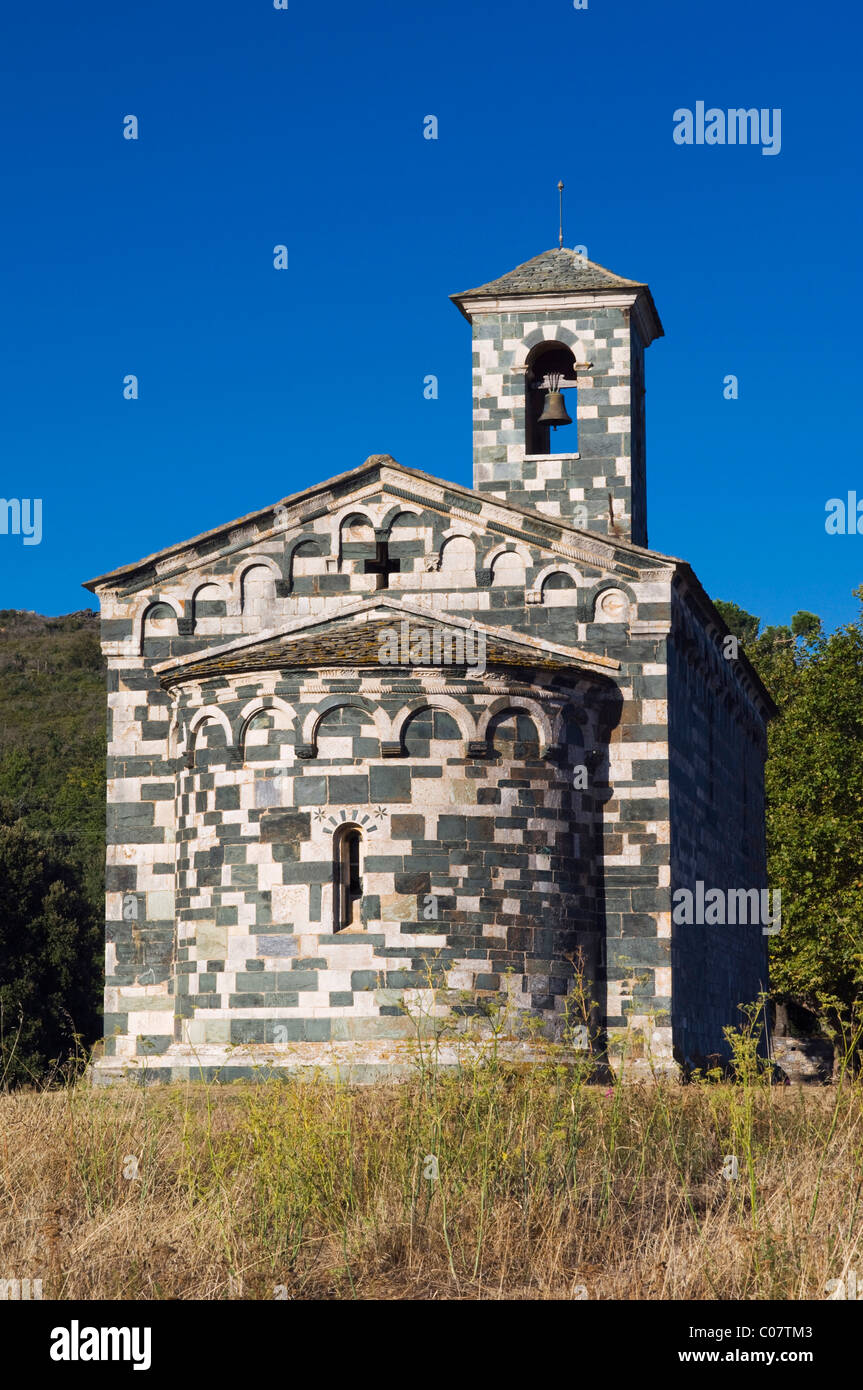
(558, 391)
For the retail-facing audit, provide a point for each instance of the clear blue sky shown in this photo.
(305, 127)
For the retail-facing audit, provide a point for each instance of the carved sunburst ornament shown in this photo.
(370, 820)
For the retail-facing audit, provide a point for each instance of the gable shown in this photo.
(384, 530)
(385, 486)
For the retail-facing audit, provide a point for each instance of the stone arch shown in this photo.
(207, 714)
(248, 562)
(556, 355)
(464, 529)
(136, 611)
(313, 718)
(203, 718)
(430, 732)
(264, 704)
(547, 335)
(158, 611)
(514, 731)
(257, 591)
(337, 730)
(601, 609)
(498, 550)
(341, 519)
(516, 704)
(458, 553)
(241, 580)
(195, 587)
(394, 512)
(365, 535)
(559, 588)
(354, 509)
(559, 567)
(509, 566)
(407, 530)
(300, 549)
(176, 593)
(261, 703)
(447, 703)
(208, 591)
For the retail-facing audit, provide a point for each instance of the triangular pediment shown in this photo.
(361, 635)
(382, 476)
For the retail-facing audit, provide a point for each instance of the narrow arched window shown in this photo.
(347, 877)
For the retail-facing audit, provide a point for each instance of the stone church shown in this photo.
(394, 755)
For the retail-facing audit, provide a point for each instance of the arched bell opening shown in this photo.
(551, 419)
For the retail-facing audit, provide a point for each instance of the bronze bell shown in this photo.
(554, 411)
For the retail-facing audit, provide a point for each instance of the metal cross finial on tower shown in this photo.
(560, 199)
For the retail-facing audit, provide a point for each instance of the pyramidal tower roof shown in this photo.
(558, 271)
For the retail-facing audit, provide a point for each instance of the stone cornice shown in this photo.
(639, 301)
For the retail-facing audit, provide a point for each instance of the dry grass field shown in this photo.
(491, 1183)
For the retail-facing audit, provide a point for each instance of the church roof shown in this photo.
(352, 636)
(553, 272)
(563, 271)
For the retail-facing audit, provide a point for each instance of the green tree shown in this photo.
(815, 801)
(741, 623)
(814, 780)
(50, 941)
(52, 819)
